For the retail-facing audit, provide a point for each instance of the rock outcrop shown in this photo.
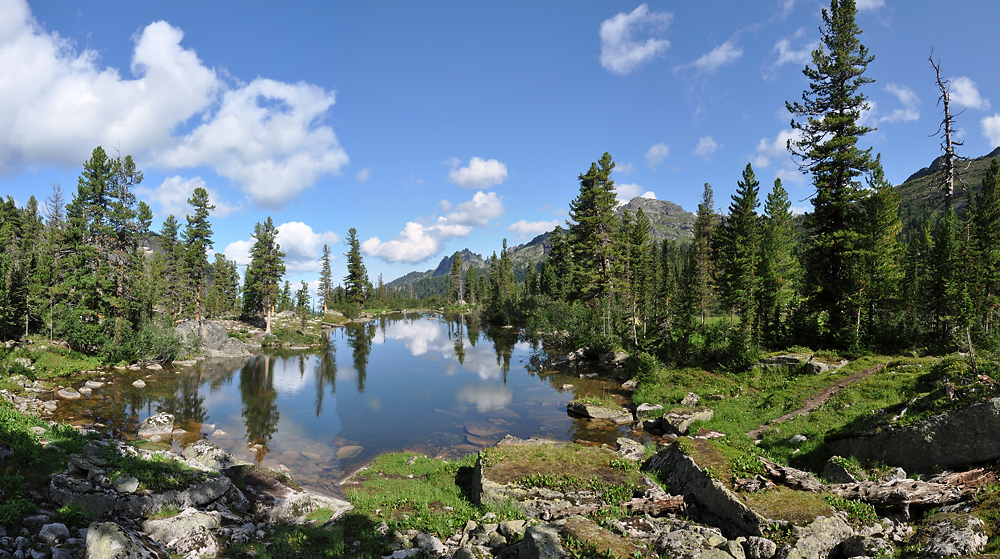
(211, 338)
(955, 439)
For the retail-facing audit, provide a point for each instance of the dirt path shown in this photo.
(817, 400)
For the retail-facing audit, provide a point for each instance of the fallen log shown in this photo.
(791, 477)
(902, 493)
(653, 506)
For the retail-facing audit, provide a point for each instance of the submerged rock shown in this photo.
(594, 411)
(161, 424)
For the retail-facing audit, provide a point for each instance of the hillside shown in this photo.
(920, 195)
(669, 221)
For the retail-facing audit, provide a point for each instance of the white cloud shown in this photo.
(264, 137)
(302, 246)
(869, 5)
(419, 241)
(991, 129)
(706, 147)
(624, 192)
(239, 252)
(532, 228)
(769, 150)
(479, 173)
(625, 168)
(908, 98)
(59, 102)
(620, 52)
(964, 93)
(657, 154)
(794, 50)
(363, 175)
(719, 56)
(173, 193)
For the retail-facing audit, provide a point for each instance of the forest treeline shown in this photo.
(840, 277)
(753, 278)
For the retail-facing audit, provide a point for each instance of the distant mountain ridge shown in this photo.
(668, 220)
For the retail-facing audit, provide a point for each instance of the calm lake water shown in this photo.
(420, 382)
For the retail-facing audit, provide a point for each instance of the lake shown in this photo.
(426, 383)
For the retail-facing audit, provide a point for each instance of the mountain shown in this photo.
(921, 199)
(669, 221)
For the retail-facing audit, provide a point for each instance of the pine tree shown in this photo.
(197, 240)
(827, 148)
(456, 279)
(984, 277)
(700, 268)
(779, 268)
(739, 243)
(592, 236)
(356, 281)
(266, 267)
(325, 280)
(881, 264)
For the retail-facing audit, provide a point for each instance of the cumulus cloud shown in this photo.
(870, 5)
(656, 154)
(479, 173)
(621, 52)
(363, 175)
(624, 192)
(170, 198)
(796, 49)
(526, 228)
(770, 150)
(991, 129)
(625, 168)
(908, 98)
(419, 241)
(302, 247)
(263, 137)
(59, 102)
(706, 147)
(716, 58)
(965, 93)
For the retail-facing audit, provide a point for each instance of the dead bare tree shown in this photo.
(945, 130)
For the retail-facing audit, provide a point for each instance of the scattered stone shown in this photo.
(154, 367)
(594, 411)
(680, 422)
(127, 483)
(206, 454)
(139, 383)
(93, 384)
(68, 393)
(798, 439)
(161, 424)
(690, 400)
(817, 539)
(107, 540)
(648, 411)
(630, 448)
(349, 451)
(630, 385)
(952, 534)
(54, 533)
(84, 391)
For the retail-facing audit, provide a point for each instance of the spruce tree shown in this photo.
(266, 267)
(700, 268)
(984, 276)
(592, 236)
(779, 268)
(828, 149)
(356, 282)
(325, 280)
(197, 241)
(882, 254)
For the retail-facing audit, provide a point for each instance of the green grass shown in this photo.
(52, 361)
(156, 473)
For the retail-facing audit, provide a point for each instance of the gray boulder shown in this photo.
(107, 540)
(206, 454)
(188, 533)
(648, 411)
(951, 440)
(817, 539)
(211, 337)
(867, 546)
(273, 497)
(53, 533)
(952, 535)
(593, 411)
(630, 448)
(679, 422)
(158, 425)
(835, 472)
(756, 547)
(542, 542)
(68, 393)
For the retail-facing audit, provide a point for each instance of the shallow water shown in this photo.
(423, 383)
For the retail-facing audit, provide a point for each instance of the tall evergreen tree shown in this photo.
(739, 244)
(828, 148)
(325, 290)
(592, 236)
(700, 269)
(456, 279)
(984, 276)
(356, 281)
(779, 268)
(882, 254)
(260, 292)
(197, 240)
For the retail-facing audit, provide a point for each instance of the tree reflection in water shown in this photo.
(359, 339)
(327, 372)
(260, 408)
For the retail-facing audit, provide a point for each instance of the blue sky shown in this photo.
(435, 126)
